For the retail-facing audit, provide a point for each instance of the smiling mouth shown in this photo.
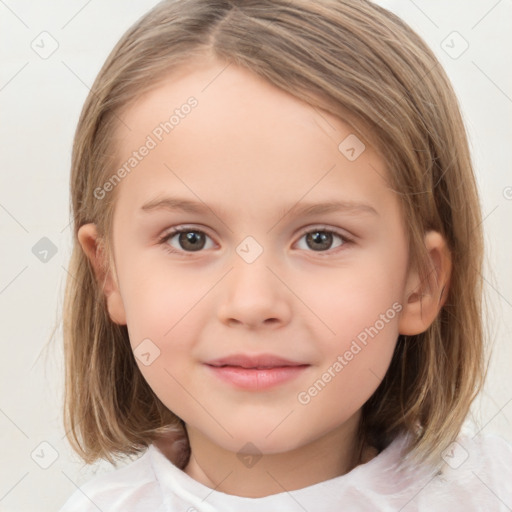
(256, 378)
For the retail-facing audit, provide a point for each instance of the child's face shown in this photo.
(248, 154)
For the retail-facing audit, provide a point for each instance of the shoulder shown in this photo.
(476, 474)
(483, 455)
(132, 487)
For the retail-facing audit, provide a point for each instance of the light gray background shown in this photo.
(40, 100)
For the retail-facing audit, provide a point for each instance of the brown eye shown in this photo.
(191, 240)
(322, 240)
(319, 240)
(187, 240)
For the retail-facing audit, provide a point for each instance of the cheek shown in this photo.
(354, 359)
(164, 329)
(359, 311)
(162, 311)
(353, 298)
(158, 298)
(343, 387)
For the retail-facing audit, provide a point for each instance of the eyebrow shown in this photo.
(303, 209)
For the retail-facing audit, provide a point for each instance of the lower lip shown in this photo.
(257, 379)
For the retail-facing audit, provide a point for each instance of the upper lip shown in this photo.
(253, 361)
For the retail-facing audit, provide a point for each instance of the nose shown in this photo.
(254, 296)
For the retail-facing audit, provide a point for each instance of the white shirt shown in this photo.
(477, 476)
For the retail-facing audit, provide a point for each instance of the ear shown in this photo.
(94, 250)
(423, 300)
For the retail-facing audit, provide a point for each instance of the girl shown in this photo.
(276, 290)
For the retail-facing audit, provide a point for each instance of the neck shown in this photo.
(334, 454)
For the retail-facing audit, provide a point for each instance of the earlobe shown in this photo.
(424, 299)
(93, 249)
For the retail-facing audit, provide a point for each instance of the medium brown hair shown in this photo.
(360, 62)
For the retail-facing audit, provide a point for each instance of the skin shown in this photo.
(250, 152)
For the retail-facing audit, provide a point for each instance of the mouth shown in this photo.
(255, 373)
(258, 361)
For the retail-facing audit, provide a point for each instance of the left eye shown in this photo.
(320, 239)
(194, 240)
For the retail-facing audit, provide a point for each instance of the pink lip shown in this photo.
(255, 372)
(253, 361)
(256, 379)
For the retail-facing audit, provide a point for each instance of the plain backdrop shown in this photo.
(41, 96)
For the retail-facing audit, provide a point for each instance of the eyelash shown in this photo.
(183, 229)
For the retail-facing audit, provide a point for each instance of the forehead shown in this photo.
(240, 139)
(226, 96)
